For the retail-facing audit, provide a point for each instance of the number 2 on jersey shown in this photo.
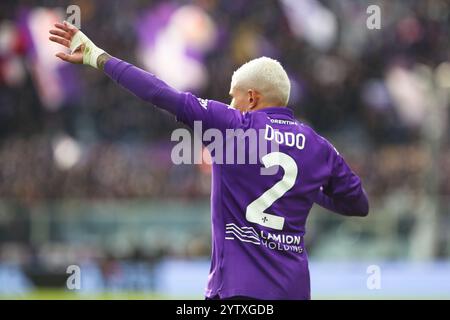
(255, 210)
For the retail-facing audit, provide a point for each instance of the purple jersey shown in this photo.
(258, 220)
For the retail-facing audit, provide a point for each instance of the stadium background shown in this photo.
(85, 171)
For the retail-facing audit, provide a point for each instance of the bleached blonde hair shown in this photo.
(266, 76)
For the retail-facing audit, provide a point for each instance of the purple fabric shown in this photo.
(253, 259)
(348, 206)
(144, 85)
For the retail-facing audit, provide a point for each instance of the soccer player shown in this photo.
(258, 219)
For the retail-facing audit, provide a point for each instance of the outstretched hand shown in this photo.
(63, 34)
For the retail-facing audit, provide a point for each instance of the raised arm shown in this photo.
(143, 84)
(139, 82)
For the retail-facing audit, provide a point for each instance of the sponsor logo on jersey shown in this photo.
(272, 241)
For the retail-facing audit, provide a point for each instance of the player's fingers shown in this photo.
(62, 41)
(63, 56)
(62, 27)
(72, 29)
(66, 57)
(60, 33)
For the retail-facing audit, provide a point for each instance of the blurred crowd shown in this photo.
(30, 172)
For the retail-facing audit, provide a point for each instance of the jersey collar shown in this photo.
(278, 110)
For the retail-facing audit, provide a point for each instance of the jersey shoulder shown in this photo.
(322, 143)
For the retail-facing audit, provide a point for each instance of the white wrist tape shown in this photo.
(91, 51)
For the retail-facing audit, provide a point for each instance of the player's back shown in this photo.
(260, 207)
(260, 202)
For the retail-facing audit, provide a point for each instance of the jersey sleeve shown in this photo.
(343, 192)
(187, 107)
(212, 114)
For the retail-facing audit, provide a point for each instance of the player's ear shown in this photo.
(253, 98)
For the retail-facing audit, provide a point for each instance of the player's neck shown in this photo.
(265, 106)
